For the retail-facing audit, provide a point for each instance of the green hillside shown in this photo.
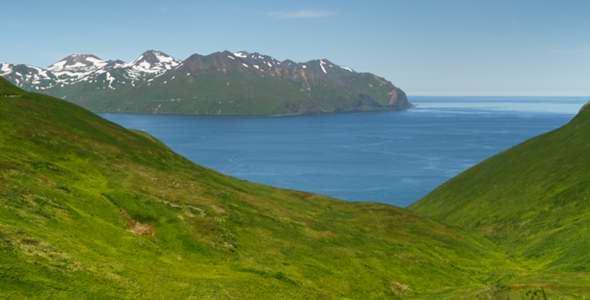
(217, 85)
(239, 93)
(91, 210)
(533, 199)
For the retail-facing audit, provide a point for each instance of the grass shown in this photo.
(89, 210)
(74, 189)
(533, 200)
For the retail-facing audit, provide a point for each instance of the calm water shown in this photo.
(387, 157)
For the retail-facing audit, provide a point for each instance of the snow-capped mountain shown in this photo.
(152, 62)
(89, 68)
(28, 77)
(117, 74)
(77, 66)
(219, 83)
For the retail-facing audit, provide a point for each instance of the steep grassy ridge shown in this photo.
(91, 210)
(533, 199)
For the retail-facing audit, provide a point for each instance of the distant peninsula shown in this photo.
(221, 83)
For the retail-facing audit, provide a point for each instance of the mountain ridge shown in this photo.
(220, 83)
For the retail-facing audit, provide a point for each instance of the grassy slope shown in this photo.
(533, 199)
(76, 192)
(234, 93)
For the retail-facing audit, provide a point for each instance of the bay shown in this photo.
(389, 157)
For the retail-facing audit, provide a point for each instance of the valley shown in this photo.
(90, 209)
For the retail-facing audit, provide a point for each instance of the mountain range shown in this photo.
(221, 83)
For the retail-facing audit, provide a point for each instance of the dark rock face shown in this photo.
(219, 83)
(150, 56)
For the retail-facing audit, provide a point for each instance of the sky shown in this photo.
(436, 47)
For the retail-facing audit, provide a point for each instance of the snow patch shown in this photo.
(5, 69)
(110, 80)
(322, 63)
(347, 69)
(241, 54)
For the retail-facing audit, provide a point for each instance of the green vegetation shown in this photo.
(238, 92)
(91, 210)
(533, 200)
(221, 83)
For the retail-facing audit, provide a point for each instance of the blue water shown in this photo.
(389, 157)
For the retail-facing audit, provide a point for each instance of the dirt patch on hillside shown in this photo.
(137, 227)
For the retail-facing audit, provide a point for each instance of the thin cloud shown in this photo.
(302, 14)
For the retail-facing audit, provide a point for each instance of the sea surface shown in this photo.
(390, 157)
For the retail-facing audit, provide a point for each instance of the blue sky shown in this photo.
(450, 47)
